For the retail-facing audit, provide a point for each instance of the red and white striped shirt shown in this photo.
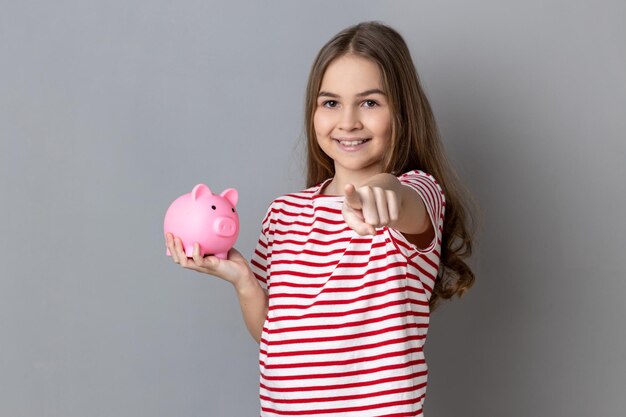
(348, 314)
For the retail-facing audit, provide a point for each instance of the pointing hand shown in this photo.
(366, 208)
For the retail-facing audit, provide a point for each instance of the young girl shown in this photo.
(340, 287)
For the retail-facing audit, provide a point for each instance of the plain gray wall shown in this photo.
(111, 109)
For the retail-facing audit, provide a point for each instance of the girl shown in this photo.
(340, 287)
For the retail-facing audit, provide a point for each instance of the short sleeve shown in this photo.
(259, 262)
(435, 202)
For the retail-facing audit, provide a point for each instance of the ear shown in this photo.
(231, 195)
(200, 190)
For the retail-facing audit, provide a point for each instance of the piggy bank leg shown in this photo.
(223, 255)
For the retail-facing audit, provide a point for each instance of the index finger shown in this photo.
(352, 197)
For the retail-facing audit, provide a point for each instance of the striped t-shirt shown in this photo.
(348, 314)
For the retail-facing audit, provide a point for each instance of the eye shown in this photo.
(330, 104)
(233, 210)
(370, 103)
(213, 207)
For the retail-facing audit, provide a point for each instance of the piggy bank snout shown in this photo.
(225, 227)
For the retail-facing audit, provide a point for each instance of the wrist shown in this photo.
(385, 181)
(247, 285)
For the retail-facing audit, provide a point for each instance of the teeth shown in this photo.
(352, 142)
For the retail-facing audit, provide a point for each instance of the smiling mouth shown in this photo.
(350, 143)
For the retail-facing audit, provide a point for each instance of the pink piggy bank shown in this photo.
(206, 218)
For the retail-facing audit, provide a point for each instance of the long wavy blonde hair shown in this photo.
(415, 142)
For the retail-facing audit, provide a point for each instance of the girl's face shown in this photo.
(352, 119)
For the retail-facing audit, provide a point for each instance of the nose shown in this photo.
(350, 119)
(224, 227)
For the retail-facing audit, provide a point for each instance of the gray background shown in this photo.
(111, 109)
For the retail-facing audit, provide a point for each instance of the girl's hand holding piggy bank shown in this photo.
(200, 223)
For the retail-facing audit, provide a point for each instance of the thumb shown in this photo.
(230, 269)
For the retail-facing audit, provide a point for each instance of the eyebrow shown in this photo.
(364, 93)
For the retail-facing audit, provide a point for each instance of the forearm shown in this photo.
(253, 300)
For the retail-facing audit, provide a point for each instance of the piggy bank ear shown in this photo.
(200, 190)
(231, 195)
